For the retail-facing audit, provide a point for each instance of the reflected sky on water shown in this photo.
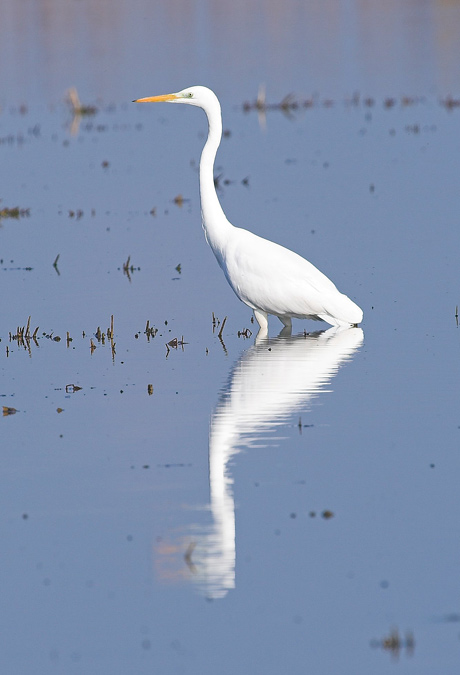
(311, 490)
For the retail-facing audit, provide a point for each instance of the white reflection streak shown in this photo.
(270, 382)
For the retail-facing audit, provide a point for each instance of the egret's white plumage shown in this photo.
(267, 277)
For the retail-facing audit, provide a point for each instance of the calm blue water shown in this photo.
(227, 506)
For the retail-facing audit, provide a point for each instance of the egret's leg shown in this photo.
(287, 321)
(262, 319)
(262, 336)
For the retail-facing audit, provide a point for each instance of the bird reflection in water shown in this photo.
(271, 381)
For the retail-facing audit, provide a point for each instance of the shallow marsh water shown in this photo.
(228, 506)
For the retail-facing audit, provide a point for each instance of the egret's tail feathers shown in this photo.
(344, 313)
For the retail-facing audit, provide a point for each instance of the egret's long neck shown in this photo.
(215, 224)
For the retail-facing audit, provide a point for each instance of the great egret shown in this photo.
(267, 277)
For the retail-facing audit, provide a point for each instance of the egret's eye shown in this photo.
(189, 94)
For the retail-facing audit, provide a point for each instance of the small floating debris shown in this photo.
(219, 181)
(450, 103)
(150, 331)
(174, 344)
(23, 337)
(245, 333)
(51, 336)
(128, 268)
(395, 643)
(216, 323)
(179, 200)
(72, 388)
(76, 214)
(219, 335)
(99, 335)
(110, 330)
(326, 514)
(300, 425)
(79, 108)
(286, 105)
(16, 212)
(7, 410)
(55, 264)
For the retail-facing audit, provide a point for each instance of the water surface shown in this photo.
(225, 504)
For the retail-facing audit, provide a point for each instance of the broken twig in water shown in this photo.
(222, 328)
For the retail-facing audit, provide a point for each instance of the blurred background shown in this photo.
(114, 49)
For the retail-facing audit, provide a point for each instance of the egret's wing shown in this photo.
(270, 277)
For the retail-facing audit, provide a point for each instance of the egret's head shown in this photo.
(199, 96)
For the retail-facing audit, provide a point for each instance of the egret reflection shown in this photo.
(271, 381)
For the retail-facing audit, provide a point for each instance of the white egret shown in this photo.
(267, 277)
